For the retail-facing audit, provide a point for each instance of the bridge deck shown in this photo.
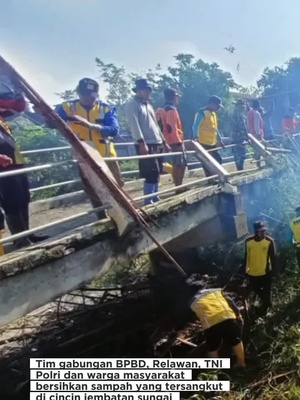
(134, 188)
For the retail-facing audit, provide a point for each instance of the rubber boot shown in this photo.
(17, 224)
(33, 238)
(239, 353)
(148, 189)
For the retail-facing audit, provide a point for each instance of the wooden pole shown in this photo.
(96, 172)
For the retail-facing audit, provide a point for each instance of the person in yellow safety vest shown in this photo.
(205, 128)
(93, 121)
(260, 264)
(295, 227)
(221, 321)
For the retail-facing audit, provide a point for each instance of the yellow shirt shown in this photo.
(295, 227)
(211, 307)
(260, 256)
(205, 127)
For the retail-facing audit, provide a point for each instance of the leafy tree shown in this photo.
(67, 95)
(33, 137)
(195, 79)
(282, 85)
(119, 87)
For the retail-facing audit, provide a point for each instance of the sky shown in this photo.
(53, 43)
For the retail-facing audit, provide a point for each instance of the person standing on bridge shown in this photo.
(260, 264)
(94, 122)
(239, 133)
(205, 128)
(147, 136)
(14, 190)
(221, 321)
(255, 125)
(170, 124)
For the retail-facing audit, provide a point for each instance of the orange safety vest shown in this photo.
(170, 124)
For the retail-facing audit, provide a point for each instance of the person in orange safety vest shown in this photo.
(170, 124)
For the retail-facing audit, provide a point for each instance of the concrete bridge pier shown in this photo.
(228, 222)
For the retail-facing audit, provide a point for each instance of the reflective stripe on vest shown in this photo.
(95, 113)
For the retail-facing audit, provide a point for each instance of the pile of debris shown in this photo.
(139, 320)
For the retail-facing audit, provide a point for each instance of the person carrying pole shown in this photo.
(170, 124)
(239, 133)
(205, 128)
(94, 122)
(260, 264)
(221, 321)
(295, 227)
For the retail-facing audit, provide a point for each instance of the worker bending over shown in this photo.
(14, 190)
(170, 124)
(221, 321)
(147, 136)
(295, 227)
(205, 128)
(259, 264)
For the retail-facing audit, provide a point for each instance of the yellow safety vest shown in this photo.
(8, 138)
(104, 145)
(295, 227)
(208, 129)
(211, 308)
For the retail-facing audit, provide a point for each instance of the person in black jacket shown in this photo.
(14, 190)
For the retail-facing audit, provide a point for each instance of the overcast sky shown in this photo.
(53, 43)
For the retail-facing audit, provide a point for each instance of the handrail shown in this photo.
(174, 188)
(36, 168)
(54, 185)
(51, 225)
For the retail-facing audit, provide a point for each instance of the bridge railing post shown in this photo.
(260, 149)
(208, 161)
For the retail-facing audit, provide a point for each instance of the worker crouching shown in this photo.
(221, 322)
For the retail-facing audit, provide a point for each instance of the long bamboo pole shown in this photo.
(119, 195)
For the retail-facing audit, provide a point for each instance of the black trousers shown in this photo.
(261, 286)
(151, 168)
(14, 194)
(215, 154)
(228, 331)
